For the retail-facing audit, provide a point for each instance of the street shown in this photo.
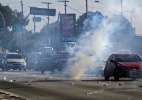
(32, 85)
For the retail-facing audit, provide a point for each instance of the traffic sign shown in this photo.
(42, 11)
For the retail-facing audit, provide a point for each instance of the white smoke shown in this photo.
(93, 45)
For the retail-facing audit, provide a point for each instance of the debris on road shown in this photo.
(73, 83)
(11, 81)
(121, 83)
(4, 78)
(105, 84)
(94, 92)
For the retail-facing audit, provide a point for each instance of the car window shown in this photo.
(110, 57)
(113, 57)
(128, 58)
(14, 56)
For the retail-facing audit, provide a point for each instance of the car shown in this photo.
(2, 54)
(47, 49)
(123, 65)
(47, 62)
(63, 59)
(13, 61)
(32, 59)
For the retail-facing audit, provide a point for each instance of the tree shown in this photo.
(85, 24)
(12, 17)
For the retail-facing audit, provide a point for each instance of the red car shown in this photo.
(123, 65)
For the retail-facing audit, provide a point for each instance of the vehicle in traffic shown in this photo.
(63, 59)
(2, 54)
(123, 65)
(13, 61)
(47, 62)
(32, 59)
(47, 49)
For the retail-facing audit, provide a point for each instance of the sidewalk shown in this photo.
(9, 96)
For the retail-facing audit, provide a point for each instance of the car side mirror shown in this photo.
(112, 61)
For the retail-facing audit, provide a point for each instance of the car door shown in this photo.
(112, 65)
(108, 64)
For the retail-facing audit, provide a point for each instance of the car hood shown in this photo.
(131, 64)
(15, 60)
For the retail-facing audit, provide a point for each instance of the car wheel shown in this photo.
(3, 69)
(20, 69)
(42, 70)
(116, 76)
(106, 75)
(134, 78)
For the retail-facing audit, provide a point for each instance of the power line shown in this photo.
(75, 9)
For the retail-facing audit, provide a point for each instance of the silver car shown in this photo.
(13, 61)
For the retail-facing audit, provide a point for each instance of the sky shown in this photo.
(106, 7)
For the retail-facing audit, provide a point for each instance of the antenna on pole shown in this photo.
(47, 3)
(65, 5)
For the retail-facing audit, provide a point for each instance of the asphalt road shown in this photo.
(33, 85)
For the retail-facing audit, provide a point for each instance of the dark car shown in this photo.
(123, 65)
(32, 59)
(63, 59)
(2, 54)
(47, 62)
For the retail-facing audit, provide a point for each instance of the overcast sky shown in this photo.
(107, 7)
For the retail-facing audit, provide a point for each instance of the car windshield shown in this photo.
(14, 56)
(128, 58)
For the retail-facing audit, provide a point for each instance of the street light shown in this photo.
(133, 11)
(106, 5)
(3, 20)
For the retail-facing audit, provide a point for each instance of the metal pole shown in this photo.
(121, 8)
(34, 25)
(3, 20)
(86, 8)
(47, 3)
(65, 5)
(22, 14)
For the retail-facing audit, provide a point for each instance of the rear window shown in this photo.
(14, 56)
(64, 55)
(128, 58)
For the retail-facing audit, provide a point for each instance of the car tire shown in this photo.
(116, 76)
(42, 70)
(106, 75)
(3, 69)
(134, 78)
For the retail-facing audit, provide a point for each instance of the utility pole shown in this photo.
(65, 5)
(86, 8)
(22, 14)
(47, 3)
(121, 7)
(34, 25)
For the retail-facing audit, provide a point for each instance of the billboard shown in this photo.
(42, 11)
(67, 27)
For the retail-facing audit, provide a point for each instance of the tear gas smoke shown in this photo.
(92, 46)
(99, 42)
